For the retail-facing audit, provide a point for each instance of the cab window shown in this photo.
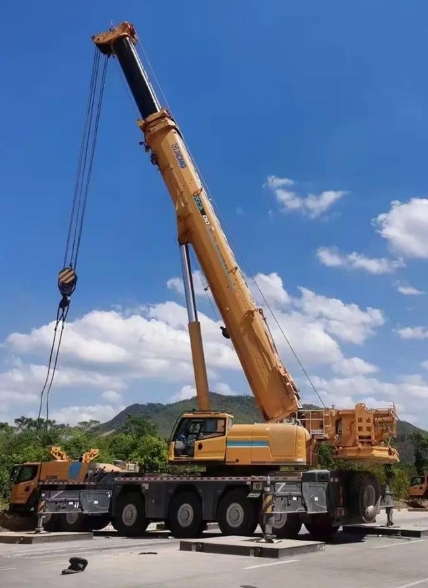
(417, 481)
(196, 429)
(213, 428)
(26, 474)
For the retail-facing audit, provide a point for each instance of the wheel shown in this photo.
(286, 526)
(237, 514)
(364, 496)
(71, 522)
(129, 518)
(51, 523)
(321, 527)
(185, 516)
(97, 522)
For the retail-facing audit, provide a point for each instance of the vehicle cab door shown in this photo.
(418, 486)
(24, 482)
(210, 444)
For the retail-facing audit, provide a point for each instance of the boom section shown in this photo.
(273, 387)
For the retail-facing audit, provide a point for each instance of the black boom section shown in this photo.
(136, 77)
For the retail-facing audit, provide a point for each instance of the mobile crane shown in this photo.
(27, 479)
(238, 458)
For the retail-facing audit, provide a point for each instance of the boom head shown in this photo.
(105, 41)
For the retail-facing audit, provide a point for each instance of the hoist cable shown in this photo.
(67, 279)
(91, 159)
(61, 315)
(82, 150)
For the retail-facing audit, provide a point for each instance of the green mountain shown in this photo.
(243, 408)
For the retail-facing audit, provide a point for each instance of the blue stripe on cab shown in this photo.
(250, 443)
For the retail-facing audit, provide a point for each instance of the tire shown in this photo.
(185, 516)
(286, 526)
(321, 528)
(129, 518)
(51, 523)
(237, 514)
(97, 522)
(365, 495)
(71, 522)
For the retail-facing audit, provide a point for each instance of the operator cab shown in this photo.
(418, 487)
(23, 473)
(200, 436)
(418, 480)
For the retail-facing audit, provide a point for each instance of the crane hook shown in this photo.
(67, 282)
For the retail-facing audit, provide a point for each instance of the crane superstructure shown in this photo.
(359, 433)
(243, 462)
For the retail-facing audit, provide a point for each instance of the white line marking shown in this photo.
(398, 544)
(5, 569)
(277, 563)
(414, 583)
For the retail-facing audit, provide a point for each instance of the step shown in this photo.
(44, 537)
(251, 546)
(396, 530)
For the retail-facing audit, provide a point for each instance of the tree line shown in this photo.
(138, 441)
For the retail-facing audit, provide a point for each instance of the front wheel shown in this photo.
(237, 514)
(129, 517)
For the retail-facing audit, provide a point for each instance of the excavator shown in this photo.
(233, 454)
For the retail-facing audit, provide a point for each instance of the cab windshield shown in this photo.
(25, 473)
(417, 481)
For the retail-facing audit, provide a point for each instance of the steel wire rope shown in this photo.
(67, 277)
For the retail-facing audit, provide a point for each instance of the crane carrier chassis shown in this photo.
(322, 500)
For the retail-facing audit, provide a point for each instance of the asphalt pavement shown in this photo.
(156, 562)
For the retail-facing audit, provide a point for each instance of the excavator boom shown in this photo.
(356, 434)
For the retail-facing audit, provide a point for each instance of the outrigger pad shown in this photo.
(77, 564)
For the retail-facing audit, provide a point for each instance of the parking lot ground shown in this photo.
(157, 562)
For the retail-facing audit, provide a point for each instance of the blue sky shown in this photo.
(329, 96)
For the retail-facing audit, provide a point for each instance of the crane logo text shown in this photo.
(178, 155)
(201, 209)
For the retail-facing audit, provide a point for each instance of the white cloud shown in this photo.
(75, 414)
(187, 392)
(146, 345)
(331, 257)
(317, 316)
(312, 205)
(270, 287)
(353, 366)
(413, 332)
(345, 321)
(407, 393)
(199, 284)
(409, 290)
(105, 353)
(405, 227)
(112, 396)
